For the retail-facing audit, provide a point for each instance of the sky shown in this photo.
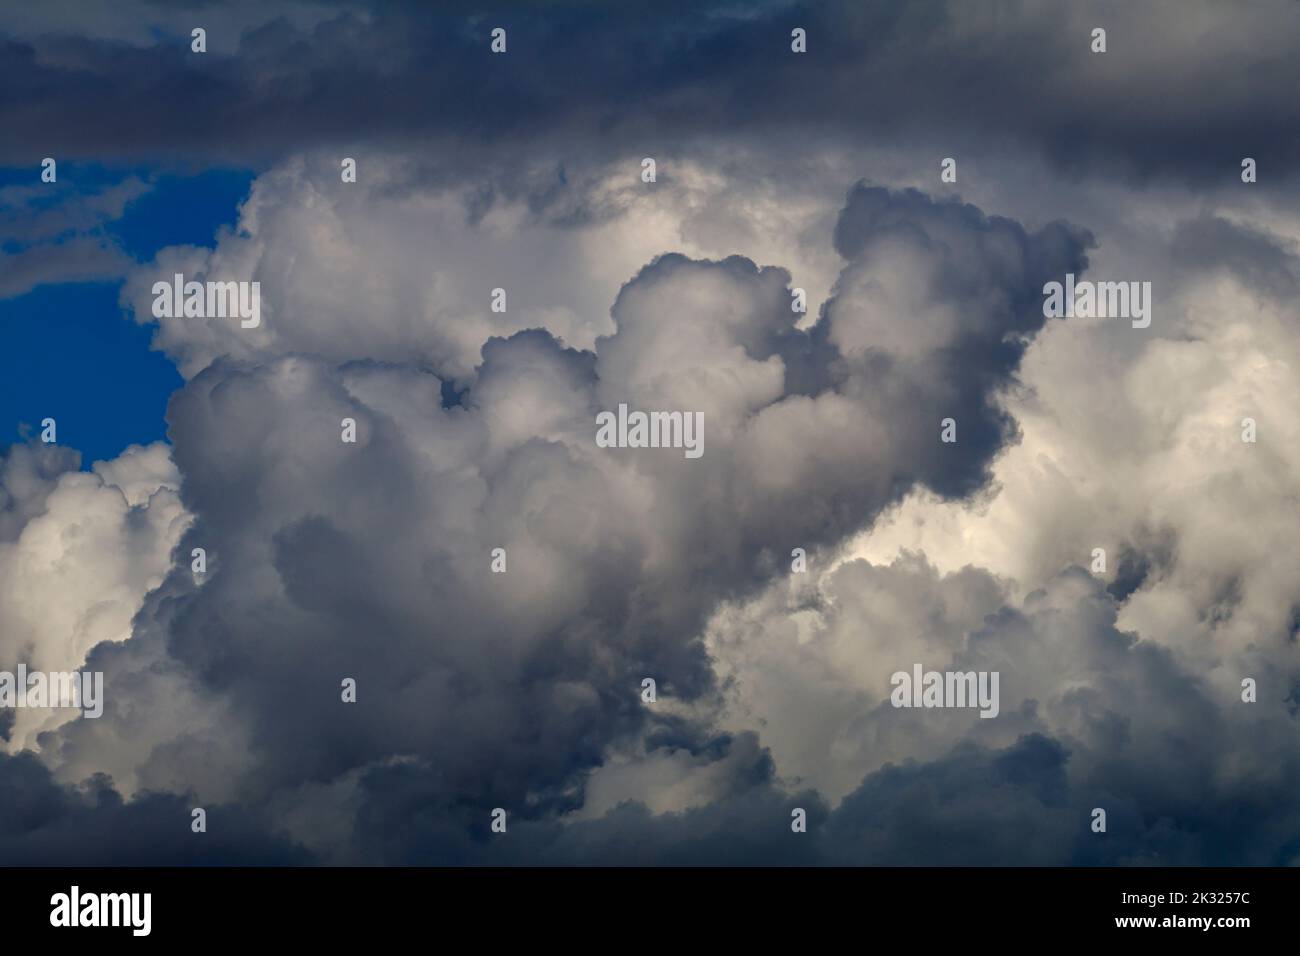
(99, 379)
(430, 644)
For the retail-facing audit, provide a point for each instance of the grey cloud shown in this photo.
(1091, 717)
(40, 213)
(521, 690)
(28, 473)
(76, 260)
(940, 74)
(58, 237)
(1257, 258)
(371, 561)
(45, 824)
(936, 307)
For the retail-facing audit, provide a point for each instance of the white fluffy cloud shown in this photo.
(397, 269)
(76, 570)
(371, 561)
(1131, 441)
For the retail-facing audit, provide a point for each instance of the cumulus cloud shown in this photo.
(401, 268)
(512, 686)
(1120, 688)
(1147, 461)
(79, 555)
(1092, 716)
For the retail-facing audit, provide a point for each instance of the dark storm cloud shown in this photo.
(371, 561)
(1135, 734)
(43, 823)
(1184, 88)
(983, 280)
(1258, 259)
